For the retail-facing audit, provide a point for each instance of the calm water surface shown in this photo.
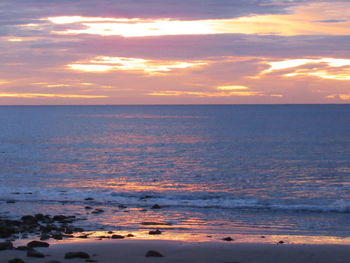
(278, 169)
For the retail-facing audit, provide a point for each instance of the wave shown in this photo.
(177, 201)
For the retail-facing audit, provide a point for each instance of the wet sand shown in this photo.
(134, 251)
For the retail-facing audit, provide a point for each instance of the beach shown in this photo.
(134, 251)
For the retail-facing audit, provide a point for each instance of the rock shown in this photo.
(70, 255)
(228, 239)
(6, 245)
(88, 207)
(57, 236)
(22, 248)
(155, 232)
(117, 237)
(153, 253)
(10, 201)
(16, 260)
(110, 232)
(97, 211)
(35, 254)
(89, 199)
(130, 235)
(122, 206)
(44, 236)
(29, 219)
(38, 244)
(156, 206)
(280, 242)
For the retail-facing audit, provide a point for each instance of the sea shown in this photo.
(211, 169)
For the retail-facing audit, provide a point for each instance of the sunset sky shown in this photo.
(174, 52)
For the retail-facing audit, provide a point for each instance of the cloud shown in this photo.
(327, 68)
(48, 95)
(105, 63)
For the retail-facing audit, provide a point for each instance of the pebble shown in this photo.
(153, 253)
(155, 232)
(38, 244)
(35, 254)
(16, 260)
(79, 254)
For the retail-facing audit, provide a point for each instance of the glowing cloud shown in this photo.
(321, 67)
(301, 20)
(232, 88)
(340, 96)
(103, 63)
(47, 95)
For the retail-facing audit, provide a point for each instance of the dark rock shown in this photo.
(145, 197)
(39, 217)
(122, 206)
(57, 236)
(35, 254)
(153, 253)
(10, 201)
(156, 206)
(228, 239)
(117, 237)
(262, 237)
(280, 242)
(29, 219)
(44, 236)
(83, 236)
(89, 199)
(70, 255)
(110, 232)
(38, 244)
(155, 232)
(16, 260)
(22, 248)
(88, 207)
(97, 211)
(130, 235)
(6, 245)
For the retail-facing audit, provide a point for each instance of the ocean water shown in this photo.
(245, 169)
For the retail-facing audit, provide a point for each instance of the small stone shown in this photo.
(6, 245)
(280, 242)
(155, 232)
(118, 237)
(70, 255)
(153, 253)
(97, 211)
(228, 239)
(130, 235)
(38, 244)
(16, 260)
(22, 248)
(89, 199)
(35, 254)
(10, 201)
(156, 206)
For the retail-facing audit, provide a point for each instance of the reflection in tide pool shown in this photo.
(253, 170)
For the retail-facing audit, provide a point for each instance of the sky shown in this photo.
(174, 52)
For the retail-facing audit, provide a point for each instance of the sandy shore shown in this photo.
(134, 251)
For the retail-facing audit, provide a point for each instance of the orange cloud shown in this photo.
(48, 95)
(340, 96)
(301, 20)
(104, 63)
(326, 68)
